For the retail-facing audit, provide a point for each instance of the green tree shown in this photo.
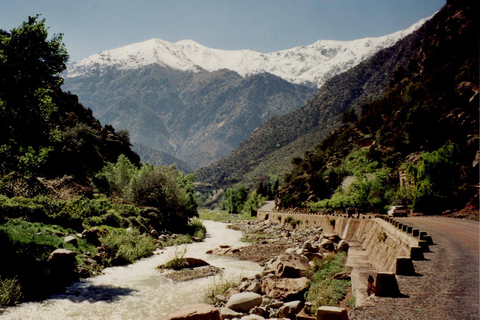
(30, 68)
(235, 198)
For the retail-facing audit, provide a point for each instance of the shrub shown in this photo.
(219, 286)
(198, 229)
(10, 292)
(177, 261)
(127, 247)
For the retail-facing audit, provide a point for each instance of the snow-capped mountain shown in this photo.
(310, 65)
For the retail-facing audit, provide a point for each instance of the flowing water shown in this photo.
(139, 291)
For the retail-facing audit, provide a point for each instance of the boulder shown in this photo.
(327, 245)
(227, 313)
(62, 256)
(71, 240)
(243, 302)
(255, 286)
(332, 313)
(252, 317)
(194, 263)
(291, 266)
(342, 246)
(332, 237)
(285, 289)
(92, 236)
(196, 312)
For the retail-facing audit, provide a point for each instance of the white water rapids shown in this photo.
(139, 291)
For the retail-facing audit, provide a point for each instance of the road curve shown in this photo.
(447, 284)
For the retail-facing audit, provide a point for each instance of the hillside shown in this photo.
(196, 103)
(423, 130)
(195, 117)
(270, 148)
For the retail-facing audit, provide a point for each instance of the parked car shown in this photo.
(397, 211)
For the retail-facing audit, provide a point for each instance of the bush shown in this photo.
(219, 286)
(10, 292)
(127, 247)
(177, 261)
(198, 229)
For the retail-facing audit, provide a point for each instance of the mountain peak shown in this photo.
(310, 65)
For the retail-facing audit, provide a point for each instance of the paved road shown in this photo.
(447, 286)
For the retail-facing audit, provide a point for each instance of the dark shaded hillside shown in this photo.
(294, 133)
(196, 117)
(424, 129)
(159, 158)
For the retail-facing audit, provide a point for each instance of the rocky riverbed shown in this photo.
(286, 255)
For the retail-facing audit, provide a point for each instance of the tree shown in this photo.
(30, 68)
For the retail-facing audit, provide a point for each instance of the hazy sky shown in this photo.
(91, 26)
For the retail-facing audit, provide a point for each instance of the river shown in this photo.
(139, 291)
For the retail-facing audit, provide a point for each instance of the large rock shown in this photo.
(71, 240)
(291, 266)
(196, 312)
(243, 302)
(227, 313)
(62, 256)
(285, 289)
(194, 263)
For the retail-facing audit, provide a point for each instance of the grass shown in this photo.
(324, 290)
(223, 215)
(177, 261)
(351, 303)
(219, 286)
(256, 237)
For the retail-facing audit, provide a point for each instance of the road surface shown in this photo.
(447, 284)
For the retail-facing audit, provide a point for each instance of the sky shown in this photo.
(92, 26)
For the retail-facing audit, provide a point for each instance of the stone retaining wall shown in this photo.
(382, 241)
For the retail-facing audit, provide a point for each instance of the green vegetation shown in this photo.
(324, 290)
(351, 303)
(222, 215)
(177, 261)
(62, 174)
(219, 286)
(10, 292)
(256, 237)
(127, 246)
(425, 125)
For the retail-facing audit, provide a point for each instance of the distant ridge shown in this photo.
(308, 65)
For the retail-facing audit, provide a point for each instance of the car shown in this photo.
(397, 211)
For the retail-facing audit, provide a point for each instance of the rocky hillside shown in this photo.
(423, 130)
(269, 150)
(196, 117)
(196, 103)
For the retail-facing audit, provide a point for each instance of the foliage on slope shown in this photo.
(426, 124)
(54, 158)
(267, 150)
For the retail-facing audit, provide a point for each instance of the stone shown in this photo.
(62, 256)
(307, 245)
(332, 313)
(290, 251)
(291, 266)
(285, 289)
(92, 236)
(342, 246)
(252, 317)
(227, 313)
(243, 302)
(327, 245)
(289, 309)
(255, 286)
(196, 312)
(332, 237)
(259, 311)
(71, 240)
(194, 263)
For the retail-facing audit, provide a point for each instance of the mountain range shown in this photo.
(197, 104)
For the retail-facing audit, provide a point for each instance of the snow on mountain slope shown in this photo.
(311, 65)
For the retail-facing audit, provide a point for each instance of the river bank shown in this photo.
(139, 291)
